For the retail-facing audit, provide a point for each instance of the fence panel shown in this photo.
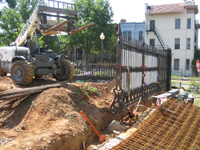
(89, 67)
(142, 71)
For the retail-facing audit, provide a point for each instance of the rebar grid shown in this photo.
(166, 130)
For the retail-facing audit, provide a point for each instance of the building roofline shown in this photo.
(165, 8)
(132, 22)
(170, 8)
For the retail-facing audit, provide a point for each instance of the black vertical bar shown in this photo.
(169, 59)
(143, 63)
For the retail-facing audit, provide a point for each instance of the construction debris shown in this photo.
(115, 126)
(166, 130)
(20, 94)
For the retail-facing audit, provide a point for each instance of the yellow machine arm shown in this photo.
(51, 18)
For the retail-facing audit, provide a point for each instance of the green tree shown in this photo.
(10, 24)
(25, 8)
(100, 12)
(11, 3)
(13, 19)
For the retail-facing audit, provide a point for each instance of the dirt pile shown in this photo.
(6, 84)
(52, 119)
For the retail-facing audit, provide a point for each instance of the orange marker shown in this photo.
(101, 137)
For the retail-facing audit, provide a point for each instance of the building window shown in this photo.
(177, 23)
(177, 43)
(187, 66)
(152, 25)
(176, 64)
(140, 35)
(188, 23)
(152, 42)
(188, 43)
(127, 35)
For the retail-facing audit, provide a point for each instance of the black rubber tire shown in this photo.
(21, 72)
(67, 71)
(2, 73)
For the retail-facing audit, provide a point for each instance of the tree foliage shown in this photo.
(10, 24)
(11, 3)
(12, 19)
(25, 8)
(100, 12)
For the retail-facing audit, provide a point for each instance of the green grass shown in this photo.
(176, 77)
(70, 101)
(180, 77)
(194, 78)
(87, 89)
(82, 103)
(77, 92)
(76, 100)
(178, 82)
(69, 117)
(87, 126)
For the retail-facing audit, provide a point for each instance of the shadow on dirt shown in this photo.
(56, 111)
(14, 116)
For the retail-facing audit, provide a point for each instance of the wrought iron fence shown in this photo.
(142, 71)
(89, 66)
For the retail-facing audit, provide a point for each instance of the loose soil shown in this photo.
(52, 120)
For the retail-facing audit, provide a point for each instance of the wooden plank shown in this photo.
(19, 100)
(6, 102)
(10, 96)
(112, 84)
(31, 90)
(72, 32)
(56, 26)
(19, 95)
(82, 28)
(52, 33)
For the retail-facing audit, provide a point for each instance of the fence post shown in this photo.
(169, 63)
(118, 105)
(143, 87)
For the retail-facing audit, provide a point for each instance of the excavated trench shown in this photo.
(84, 138)
(52, 120)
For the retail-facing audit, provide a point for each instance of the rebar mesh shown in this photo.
(165, 130)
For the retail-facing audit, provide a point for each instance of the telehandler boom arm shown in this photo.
(51, 18)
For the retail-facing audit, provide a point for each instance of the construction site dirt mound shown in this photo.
(52, 120)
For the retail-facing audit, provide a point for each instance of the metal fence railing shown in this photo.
(142, 71)
(89, 66)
